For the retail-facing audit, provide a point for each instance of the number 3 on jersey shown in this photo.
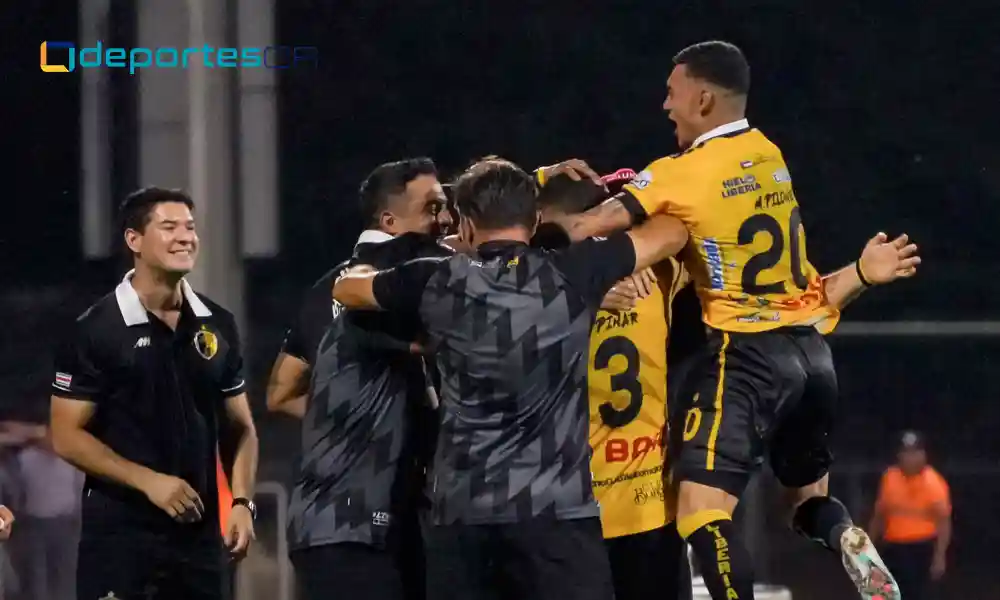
(772, 257)
(627, 380)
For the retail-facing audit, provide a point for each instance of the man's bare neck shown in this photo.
(158, 291)
(716, 121)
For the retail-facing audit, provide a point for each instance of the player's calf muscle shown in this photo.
(796, 496)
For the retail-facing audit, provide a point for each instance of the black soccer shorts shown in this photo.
(652, 564)
(754, 394)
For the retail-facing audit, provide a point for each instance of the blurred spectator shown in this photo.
(6, 522)
(913, 518)
(43, 552)
(13, 436)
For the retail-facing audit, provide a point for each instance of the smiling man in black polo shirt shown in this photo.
(143, 383)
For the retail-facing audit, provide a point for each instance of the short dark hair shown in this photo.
(137, 208)
(719, 63)
(390, 179)
(496, 194)
(569, 196)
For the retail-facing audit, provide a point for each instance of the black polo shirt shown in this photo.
(316, 312)
(159, 395)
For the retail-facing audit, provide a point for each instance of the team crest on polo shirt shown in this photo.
(206, 343)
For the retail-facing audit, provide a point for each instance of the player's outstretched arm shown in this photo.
(659, 238)
(881, 262)
(355, 288)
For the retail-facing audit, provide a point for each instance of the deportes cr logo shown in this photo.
(133, 59)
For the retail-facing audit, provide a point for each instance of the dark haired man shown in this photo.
(143, 381)
(512, 504)
(397, 197)
(627, 380)
(352, 517)
(768, 382)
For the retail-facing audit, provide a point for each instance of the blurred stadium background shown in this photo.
(882, 109)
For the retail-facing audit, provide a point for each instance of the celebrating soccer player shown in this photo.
(628, 407)
(769, 385)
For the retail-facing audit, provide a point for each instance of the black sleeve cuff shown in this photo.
(72, 394)
(633, 206)
(292, 346)
(382, 290)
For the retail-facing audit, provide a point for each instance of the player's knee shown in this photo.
(803, 470)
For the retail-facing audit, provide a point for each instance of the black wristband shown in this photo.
(861, 274)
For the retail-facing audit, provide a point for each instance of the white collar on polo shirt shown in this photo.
(134, 312)
(373, 236)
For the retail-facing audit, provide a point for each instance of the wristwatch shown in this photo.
(247, 502)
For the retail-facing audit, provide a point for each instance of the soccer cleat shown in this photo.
(865, 567)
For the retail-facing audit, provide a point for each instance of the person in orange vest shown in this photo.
(913, 518)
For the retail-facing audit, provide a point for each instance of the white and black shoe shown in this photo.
(865, 566)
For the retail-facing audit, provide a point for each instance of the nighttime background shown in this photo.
(885, 112)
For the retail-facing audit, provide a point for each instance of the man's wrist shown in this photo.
(247, 504)
(141, 477)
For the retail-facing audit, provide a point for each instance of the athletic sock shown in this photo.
(822, 519)
(725, 564)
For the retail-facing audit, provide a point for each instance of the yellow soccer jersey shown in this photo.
(747, 252)
(628, 408)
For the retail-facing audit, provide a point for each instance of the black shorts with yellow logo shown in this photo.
(751, 394)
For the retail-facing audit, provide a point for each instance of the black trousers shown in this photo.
(910, 564)
(539, 559)
(652, 564)
(143, 565)
(347, 570)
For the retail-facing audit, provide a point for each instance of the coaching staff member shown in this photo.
(513, 507)
(403, 196)
(144, 382)
(352, 515)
